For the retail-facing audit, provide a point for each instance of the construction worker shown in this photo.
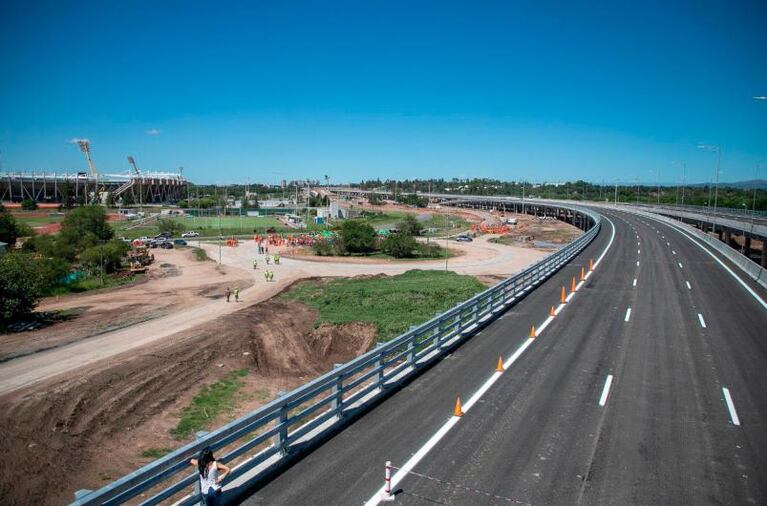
(271, 275)
(228, 293)
(255, 264)
(276, 259)
(266, 275)
(237, 294)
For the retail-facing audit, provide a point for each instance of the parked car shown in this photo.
(166, 245)
(191, 233)
(179, 242)
(164, 235)
(464, 238)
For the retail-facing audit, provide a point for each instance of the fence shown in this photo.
(321, 406)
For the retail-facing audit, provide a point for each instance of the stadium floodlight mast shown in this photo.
(718, 151)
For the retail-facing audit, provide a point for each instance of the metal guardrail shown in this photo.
(321, 406)
(751, 268)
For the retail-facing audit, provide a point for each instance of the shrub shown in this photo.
(169, 226)
(399, 245)
(10, 229)
(23, 283)
(431, 250)
(357, 236)
(322, 247)
(410, 225)
(28, 205)
(109, 256)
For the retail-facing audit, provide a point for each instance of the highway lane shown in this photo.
(539, 435)
(664, 435)
(349, 467)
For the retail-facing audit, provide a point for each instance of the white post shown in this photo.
(387, 495)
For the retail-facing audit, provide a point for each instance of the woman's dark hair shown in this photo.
(204, 460)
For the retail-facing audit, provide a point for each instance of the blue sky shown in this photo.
(263, 91)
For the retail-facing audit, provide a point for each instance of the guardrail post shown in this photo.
(381, 371)
(411, 351)
(280, 439)
(338, 396)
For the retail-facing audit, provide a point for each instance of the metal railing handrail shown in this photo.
(321, 405)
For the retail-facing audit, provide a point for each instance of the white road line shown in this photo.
(737, 278)
(637, 263)
(637, 243)
(635, 282)
(606, 390)
(437, 436)
(731, 406)
(639, 252)
(628, 315)
(702, 321)
(674, 252)
(688, 285)
(668, 243)
(680, 265)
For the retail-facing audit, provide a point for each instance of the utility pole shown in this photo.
(616, 194)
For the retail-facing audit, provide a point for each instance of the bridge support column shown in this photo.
(764, 253)
(728, 238)
(746, 246)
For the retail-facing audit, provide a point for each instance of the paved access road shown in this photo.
(659, 317)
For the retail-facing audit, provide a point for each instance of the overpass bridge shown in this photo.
(644, 386)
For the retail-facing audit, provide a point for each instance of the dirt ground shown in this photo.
(175, 280)
(83, 398)
(89, 427)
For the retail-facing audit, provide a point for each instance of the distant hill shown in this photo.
(759, 184)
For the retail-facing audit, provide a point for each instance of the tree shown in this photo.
(22, 282)
(85, 226)
(399, 245)
(10, 229)
(109, 256)
(28, 205)
(374, 199)
(410, 225)
(358, 236)
(169, 226)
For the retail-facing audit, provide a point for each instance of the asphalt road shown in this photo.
(539, 435)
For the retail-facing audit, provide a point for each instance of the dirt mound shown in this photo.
(86, 429)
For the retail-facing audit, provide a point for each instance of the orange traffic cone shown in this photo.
(552, 312)
(458, 410)
(591, 264)
(563, 297)
(532, 331)
(583, 274)
(499, 367)
(572, 286)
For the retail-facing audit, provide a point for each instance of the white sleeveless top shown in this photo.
(210, 481)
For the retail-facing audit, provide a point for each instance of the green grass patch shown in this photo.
(200, 254)
(213, 399)
(155, 453)
(392, 304)
(36, 221)
(94, 283)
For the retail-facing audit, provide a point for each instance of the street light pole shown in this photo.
(718, 152)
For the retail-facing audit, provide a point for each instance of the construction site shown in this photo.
(108, 386)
